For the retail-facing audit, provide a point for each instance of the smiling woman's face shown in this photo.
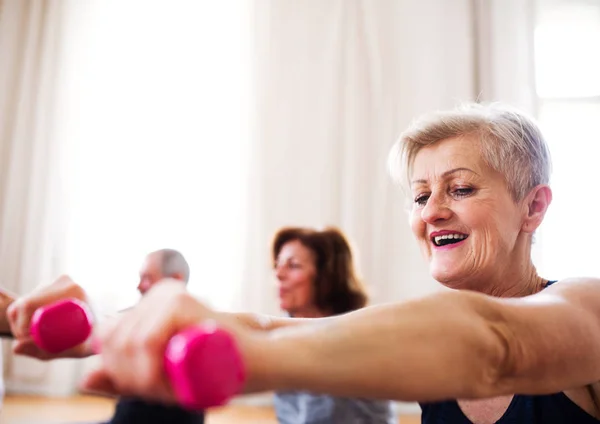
(463, 215)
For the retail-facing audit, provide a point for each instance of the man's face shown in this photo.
(150, 273)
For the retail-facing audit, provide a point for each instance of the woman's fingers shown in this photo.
(19, 315)
(133, 345)
(21, 311)
(98, 381)
(27, 347)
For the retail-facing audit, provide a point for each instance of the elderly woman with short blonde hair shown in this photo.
(505, 345)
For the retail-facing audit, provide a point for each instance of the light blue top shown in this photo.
(298, 407)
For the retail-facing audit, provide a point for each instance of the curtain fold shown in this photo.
(336, 83)
(31, 213)
(504, 47)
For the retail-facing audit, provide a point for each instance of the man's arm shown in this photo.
(448, 345)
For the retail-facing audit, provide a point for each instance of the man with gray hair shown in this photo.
(158, 265)
(161, 264)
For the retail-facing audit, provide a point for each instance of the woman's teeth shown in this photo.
(448, 239)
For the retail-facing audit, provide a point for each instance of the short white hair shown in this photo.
(511, 143)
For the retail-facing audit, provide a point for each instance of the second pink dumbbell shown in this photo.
(202, 363)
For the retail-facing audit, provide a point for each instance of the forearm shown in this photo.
(434, 348)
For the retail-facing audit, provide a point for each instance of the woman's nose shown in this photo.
(436, 209)
(279, 272)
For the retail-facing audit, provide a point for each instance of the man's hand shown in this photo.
(21, 311)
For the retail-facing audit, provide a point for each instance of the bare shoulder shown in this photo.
(578, 289)
(583, 292)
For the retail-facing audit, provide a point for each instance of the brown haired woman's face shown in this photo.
(295, 271)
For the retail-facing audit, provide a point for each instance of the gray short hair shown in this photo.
(173, 262)
(511, 143)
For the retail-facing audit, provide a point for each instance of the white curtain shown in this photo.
(336, 83)
(156, 126)
(31, 214)
(154, 120)
(505, 59)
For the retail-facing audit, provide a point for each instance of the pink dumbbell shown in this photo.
(202, 363)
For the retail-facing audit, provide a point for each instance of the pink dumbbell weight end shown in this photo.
(202, 363)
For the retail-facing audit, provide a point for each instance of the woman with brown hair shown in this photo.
(317, 278)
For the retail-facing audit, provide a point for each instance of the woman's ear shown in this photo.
(536, 203)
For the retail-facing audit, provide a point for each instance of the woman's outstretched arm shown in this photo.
(448, 345)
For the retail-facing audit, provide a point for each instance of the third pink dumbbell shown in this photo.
(202, 363)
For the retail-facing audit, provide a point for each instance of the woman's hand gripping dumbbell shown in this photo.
(201, 364)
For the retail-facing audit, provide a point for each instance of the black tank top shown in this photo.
(523, 409)
(134, 411)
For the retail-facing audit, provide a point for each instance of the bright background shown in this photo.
(128, 126)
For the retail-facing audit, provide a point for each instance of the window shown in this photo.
(155, 121)
(568, 86)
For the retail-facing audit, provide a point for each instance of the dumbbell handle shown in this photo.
(202, 363)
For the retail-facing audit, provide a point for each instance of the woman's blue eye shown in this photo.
(463, 191)
(421, 199)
